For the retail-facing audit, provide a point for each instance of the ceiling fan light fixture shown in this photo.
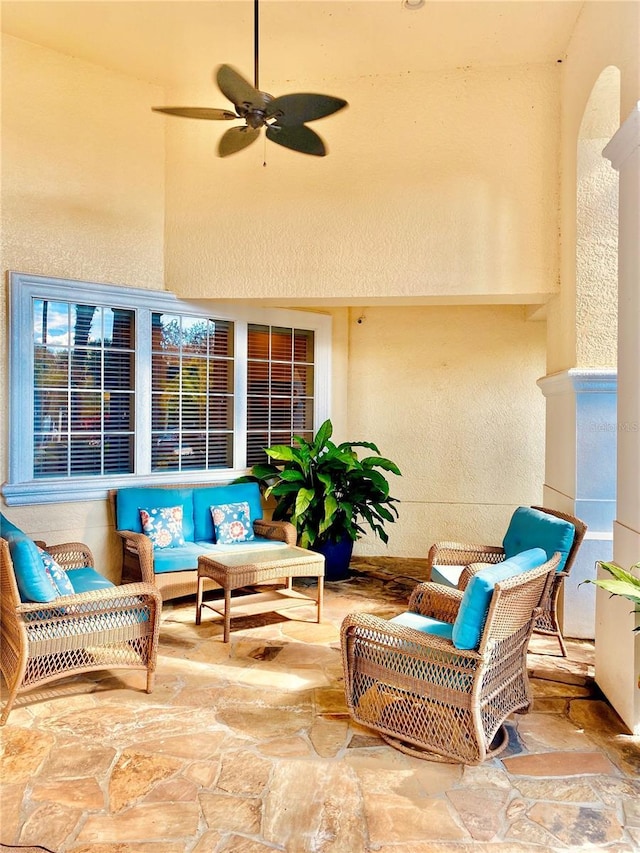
(412, 5)
(284, 118)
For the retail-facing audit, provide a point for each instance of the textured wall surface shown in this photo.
(456, 198)
(82, 197)
(450, 395)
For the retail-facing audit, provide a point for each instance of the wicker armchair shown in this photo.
(462, 554)
(431, 699)
(112, 628)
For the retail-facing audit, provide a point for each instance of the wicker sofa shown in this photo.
(173, 570)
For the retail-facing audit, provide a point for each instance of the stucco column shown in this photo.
(580, 478)
(617, 647)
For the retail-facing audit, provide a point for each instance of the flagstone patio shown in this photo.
(248, 747)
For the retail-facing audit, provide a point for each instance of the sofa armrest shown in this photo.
(141, 547)
(282, 531)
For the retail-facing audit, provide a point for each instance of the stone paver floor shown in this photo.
(248, 747)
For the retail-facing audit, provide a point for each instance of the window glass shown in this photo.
(83, 389)
(280, 387)
(192, 393)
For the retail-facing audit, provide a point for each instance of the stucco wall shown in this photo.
(450, 395)
(440, 184)
(82, 197)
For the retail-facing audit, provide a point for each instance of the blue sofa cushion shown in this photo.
(426, 624)
(131, 499)
(204, 499)
(531, 528)
(472, 613)
(8, 530)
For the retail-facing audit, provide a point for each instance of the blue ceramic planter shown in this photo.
(337, 556)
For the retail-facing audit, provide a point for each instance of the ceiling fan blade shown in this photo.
(239, 91)
(299, 138)
(296, 109)
(197, 112)
(235, 139)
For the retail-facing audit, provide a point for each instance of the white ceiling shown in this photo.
(178, 44)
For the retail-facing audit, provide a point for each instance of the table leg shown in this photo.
(199, 599)
(227, 614)
(320, 598)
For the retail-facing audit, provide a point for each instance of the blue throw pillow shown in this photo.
(531, 528)
(472, 614)
(232, 523)
(56, 574)
(163, 525)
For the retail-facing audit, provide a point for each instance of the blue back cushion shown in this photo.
(472, 614)
(34, 584)
(531, 528)
(204, 499)
(130, 500)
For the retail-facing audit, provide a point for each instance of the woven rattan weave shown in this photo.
(462, 554)
(251, 568)
(428, 697)
(112, 628)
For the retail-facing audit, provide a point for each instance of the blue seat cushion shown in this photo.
(472, 613)
(446, 575)
(86, 579)
(426, 624)
(531, 528)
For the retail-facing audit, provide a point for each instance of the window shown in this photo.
(279, 387)
(111, 385)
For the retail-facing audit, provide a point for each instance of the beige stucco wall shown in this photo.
(454, 198)
(449, 394)
(82, 197)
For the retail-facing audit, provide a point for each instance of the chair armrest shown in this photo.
(72, 555)
(69, 606)
(140, 545)
(437, 601)
(461, 554)
(283, 531)
(374, 629)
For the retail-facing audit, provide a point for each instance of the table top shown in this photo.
(289, 555)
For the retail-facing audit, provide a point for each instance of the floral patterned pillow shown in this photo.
(232, 523)
(163, 525)
(56, 574)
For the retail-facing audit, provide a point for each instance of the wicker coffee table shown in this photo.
(248, 568)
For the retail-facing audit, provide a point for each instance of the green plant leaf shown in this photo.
(322, 436)
(618, 587)
(282, 451)
(303, 500)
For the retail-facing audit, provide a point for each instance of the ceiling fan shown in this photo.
(284, 118)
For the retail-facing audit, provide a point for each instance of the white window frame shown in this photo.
(22, 488)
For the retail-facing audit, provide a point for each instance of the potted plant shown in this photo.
(329, 494)
(621, 583)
